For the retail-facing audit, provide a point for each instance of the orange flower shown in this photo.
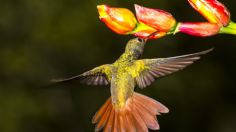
(212, 10)
(158, 19)
(120, 20)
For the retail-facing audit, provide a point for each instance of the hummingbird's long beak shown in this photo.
(150, 36)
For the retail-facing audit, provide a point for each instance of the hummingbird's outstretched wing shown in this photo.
(98, 76)
(149, 69)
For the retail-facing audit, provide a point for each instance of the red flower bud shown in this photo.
(158, 19)
(202, 29)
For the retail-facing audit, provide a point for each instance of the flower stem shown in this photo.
(230, 29)
(232, 25)
(175, 29)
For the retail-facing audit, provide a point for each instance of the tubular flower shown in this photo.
(202, 29)
(212, 10)
(120, 20)
(158, 19)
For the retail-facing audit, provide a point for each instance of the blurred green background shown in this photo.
(45, 39)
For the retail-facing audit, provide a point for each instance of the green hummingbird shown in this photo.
(126, 110)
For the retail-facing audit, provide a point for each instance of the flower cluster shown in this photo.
(148, 20)
(123, 21)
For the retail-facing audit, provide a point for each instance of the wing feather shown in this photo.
(155, 68)
(98, 76)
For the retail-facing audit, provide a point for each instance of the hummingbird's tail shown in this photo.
(138, 114)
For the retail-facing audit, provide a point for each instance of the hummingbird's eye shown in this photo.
(140, 40)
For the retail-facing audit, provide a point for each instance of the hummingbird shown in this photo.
(126, 110)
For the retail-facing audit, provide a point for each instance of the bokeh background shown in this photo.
(45, 39)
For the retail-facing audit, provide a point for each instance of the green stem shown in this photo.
(175, 29)
(228, 30)
(232, 25)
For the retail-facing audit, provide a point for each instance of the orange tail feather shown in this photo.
(138, 114)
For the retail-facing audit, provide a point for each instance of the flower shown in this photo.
(158, 19)
(212, 10)
(202, 29)
(120, 20)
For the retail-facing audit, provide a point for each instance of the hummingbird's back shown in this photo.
(122, 83)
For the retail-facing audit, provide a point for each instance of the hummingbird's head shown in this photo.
(135, 45)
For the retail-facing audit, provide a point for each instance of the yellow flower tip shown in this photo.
(102, 11)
